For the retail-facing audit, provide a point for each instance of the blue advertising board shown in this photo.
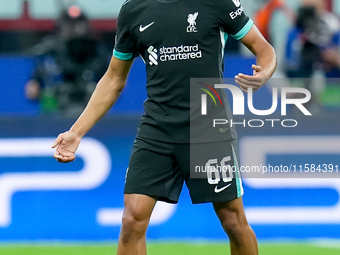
(41, 199)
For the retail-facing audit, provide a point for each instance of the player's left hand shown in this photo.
(255, 81)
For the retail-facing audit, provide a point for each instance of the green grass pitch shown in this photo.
(169, 248)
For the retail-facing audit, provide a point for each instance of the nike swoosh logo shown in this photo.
(217, 190)
(142, 29)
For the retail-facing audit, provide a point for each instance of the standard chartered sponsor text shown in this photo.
(181, 52)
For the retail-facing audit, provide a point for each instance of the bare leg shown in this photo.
(234, 222)
(136, 217)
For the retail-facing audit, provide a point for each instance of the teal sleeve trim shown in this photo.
(122, 56)
(239, 186)
(242, 33)
(226, 37)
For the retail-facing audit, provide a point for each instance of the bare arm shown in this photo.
(265, 61)
(105, 95)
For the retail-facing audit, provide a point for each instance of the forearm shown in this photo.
(265, 61)
(266, 58)
(264, 52)
(105, 95)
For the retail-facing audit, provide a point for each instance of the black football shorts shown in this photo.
(159, 169)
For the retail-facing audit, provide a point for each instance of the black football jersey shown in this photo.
(178, 40)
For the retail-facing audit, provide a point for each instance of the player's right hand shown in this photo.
(66, 145)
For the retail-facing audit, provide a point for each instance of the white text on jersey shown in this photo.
(236, 13)
(179, 53)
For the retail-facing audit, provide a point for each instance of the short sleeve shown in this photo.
(232, 18)
(125, 48)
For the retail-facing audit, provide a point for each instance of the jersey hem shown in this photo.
(189, 141)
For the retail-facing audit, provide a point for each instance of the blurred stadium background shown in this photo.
(51, 208)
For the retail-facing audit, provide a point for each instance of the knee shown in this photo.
(230, 225)
(133, 224)
(136, 217)
(235, 228)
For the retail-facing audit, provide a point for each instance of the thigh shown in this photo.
(230, 210)
(205, 183)
(153, 171)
